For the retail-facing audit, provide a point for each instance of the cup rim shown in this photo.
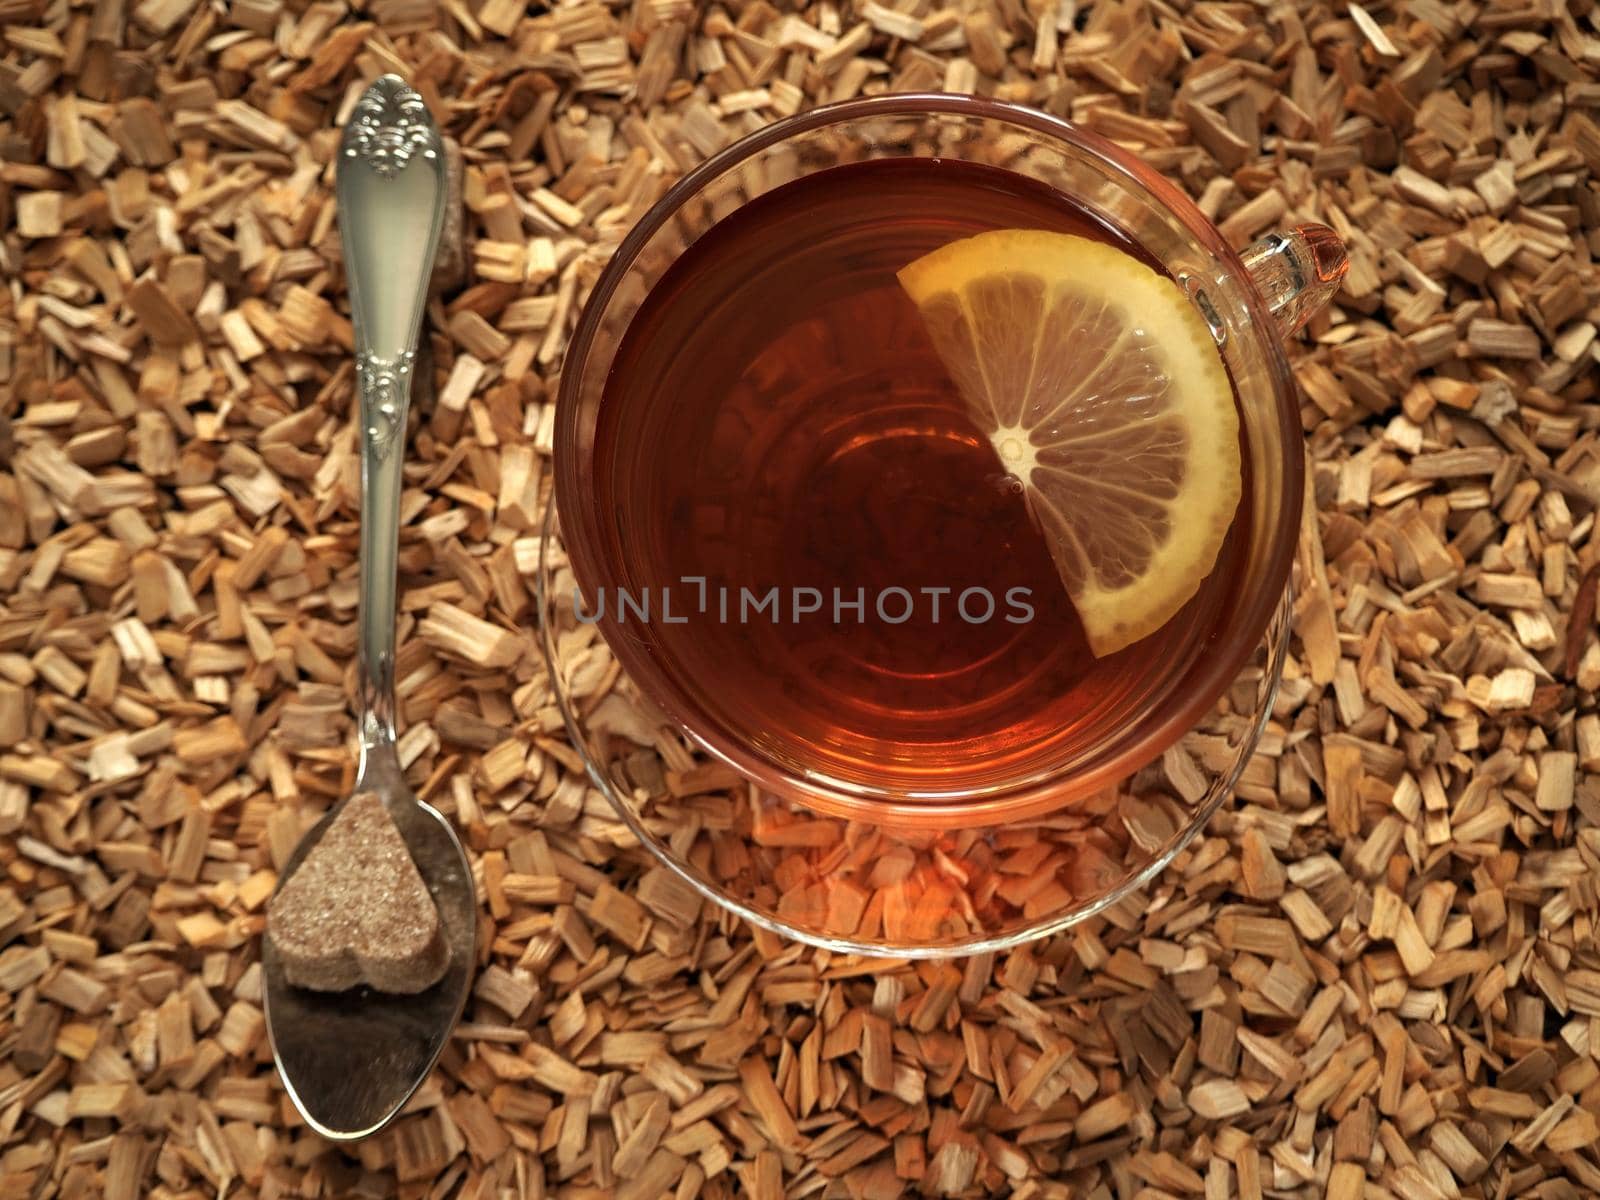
(1032, 798)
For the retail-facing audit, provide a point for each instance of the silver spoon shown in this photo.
(350, 1060)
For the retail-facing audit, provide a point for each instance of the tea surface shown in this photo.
(778, 433)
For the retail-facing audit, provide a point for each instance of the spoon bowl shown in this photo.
(350, 1060)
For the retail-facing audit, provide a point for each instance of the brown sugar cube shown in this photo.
(356, 910)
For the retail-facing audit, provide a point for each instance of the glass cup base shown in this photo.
(886, 886)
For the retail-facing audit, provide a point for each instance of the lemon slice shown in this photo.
(1102, 391)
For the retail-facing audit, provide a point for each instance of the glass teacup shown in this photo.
(827, 840)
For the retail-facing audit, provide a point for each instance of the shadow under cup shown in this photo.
(1134, 798)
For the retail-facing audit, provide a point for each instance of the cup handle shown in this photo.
(1297, 272)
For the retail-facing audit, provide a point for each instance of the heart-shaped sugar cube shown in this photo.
(356, 910)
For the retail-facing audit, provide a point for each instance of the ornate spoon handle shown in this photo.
(391, 192)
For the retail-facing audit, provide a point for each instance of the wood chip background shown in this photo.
(1376, 975)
